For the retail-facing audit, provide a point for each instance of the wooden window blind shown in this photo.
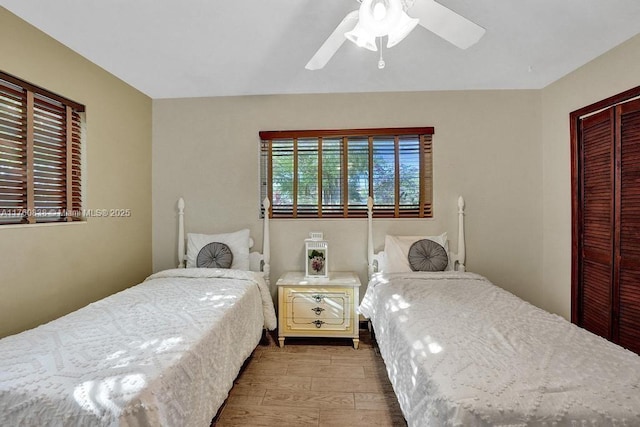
(40, 154)
(331, 173)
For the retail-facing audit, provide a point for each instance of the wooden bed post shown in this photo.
(461, 244)
(370, 236)
(181, 233)
(266, 254)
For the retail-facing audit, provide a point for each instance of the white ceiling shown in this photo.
(194, 48)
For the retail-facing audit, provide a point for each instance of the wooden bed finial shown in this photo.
(181, 232)
(370, 236)
(461, 243)
(266, 254)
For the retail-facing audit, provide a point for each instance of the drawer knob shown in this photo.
(318, 323)
(317, 298)
(317, 310)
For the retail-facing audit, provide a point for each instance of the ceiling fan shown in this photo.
(378, 18)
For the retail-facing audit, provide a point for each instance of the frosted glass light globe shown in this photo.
(379, 11)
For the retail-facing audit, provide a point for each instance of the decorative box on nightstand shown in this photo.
(318, 307)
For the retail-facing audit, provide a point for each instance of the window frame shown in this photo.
(41, 145)
(423, 135)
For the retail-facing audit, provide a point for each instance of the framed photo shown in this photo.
(316, 257)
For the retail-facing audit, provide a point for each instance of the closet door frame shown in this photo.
(576, 208)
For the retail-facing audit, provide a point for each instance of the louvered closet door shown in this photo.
(597, 180)
(628, 235)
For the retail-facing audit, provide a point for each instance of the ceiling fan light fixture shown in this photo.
(379, 18)
(404, 26)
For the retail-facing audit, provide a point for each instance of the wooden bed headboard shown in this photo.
(457, 258)
(258, 261)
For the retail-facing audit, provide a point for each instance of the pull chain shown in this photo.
(381, 63)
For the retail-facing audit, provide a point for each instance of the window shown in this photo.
(331, 173)
(40, 142)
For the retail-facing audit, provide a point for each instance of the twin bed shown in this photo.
(164, 352)
(459, 351)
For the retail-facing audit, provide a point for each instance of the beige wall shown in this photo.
(611, 73)
(486, 148)
(507, 152)
(47, 271)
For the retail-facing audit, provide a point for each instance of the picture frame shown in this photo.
(316, 256)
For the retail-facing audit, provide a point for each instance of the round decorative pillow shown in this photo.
(427, 255)
(214, 255)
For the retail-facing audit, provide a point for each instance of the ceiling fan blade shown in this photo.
(333, 42)
(446, 23)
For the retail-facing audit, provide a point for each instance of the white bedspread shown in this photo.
(462, 352)
(164, 352)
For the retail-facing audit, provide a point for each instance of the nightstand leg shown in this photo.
(356, 343)
(281, 341)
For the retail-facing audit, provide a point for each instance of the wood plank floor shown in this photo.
(312, 382)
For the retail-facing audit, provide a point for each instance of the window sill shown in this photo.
(41, 224)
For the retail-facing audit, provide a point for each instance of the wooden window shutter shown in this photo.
(40, 148)
(49, 160)
(331, 173)
(13, 153)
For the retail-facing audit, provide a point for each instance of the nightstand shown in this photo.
(318, 307)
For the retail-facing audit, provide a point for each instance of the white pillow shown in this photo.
(396, 250)
(238, 242)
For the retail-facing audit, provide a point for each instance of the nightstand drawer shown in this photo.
(313, 324)
(319, 302)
